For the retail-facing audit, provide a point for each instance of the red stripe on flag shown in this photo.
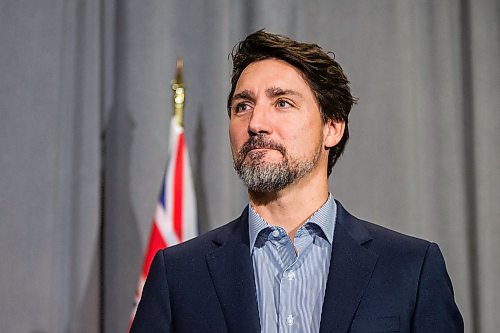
(179, 188)
(156, 242)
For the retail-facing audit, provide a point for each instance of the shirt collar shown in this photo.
(324, 217)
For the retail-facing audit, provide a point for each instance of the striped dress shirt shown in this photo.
(290, 279)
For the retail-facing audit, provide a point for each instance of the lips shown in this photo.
(262, 148)
(257, 146)
(258, 152)
(260, 143)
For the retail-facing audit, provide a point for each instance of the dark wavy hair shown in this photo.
(323, 74)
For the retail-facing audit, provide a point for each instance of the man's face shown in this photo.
(275, 129)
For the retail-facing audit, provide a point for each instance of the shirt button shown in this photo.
(276, 233)
(291, 275)
(289, 320)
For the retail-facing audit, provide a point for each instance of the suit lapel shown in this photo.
(231, 269)
(351, 267)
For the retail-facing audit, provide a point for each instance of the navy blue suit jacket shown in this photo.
(379, 281)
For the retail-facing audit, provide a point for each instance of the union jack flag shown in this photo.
(175, 218)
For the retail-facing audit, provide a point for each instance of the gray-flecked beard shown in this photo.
(262, 176)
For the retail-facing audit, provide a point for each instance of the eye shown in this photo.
(241, 107)
(283, 104)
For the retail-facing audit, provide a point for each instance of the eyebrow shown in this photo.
(277, 92)
(245, 94)
(270, 92)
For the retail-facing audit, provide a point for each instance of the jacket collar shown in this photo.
(351, 267)
(231, 269)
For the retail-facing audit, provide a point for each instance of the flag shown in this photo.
(175, 217)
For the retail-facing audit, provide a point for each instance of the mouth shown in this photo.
(261, 149)
(257, 147)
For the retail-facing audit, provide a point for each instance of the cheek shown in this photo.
(297, 131)
(303, 138)
(236, 136)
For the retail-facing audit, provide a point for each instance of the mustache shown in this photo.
(260, 142)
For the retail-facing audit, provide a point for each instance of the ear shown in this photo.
(333, 131)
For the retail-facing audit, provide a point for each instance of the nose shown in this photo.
(260, 122)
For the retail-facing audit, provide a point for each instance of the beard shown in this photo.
(262, 176)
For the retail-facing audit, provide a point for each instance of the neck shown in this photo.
(292, 206)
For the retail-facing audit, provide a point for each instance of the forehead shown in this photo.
(272, 73)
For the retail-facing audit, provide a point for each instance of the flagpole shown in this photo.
(178, 98)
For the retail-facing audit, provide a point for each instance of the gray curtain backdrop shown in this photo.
(85, 102)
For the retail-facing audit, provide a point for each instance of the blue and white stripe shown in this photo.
(291, 287)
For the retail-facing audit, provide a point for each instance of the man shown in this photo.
(295, 260)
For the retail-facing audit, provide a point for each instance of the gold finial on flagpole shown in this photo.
(178, 88)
